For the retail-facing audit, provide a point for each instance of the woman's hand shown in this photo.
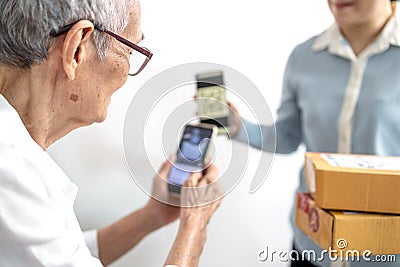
(235, 121)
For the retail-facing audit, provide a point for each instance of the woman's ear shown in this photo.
(75, 46)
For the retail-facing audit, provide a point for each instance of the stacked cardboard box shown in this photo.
(353, 202)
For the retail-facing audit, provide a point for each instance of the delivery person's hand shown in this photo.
(235, 121)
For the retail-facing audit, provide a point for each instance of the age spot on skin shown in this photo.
(74, 98)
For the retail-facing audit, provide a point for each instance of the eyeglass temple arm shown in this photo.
(145, 52)
(65, 29)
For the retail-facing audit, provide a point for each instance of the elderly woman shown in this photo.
(60, 62)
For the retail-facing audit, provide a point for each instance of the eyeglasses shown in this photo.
(138, 58)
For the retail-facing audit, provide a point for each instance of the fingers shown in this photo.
(201, 190)
(211, 173)
(160, 183)
(163, 171)
(203, 181)
(232, 107)
(193, 179)
(165, 167)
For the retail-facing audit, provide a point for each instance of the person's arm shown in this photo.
(118, 238)
(201, 198)
(188, 245)
(287, 130)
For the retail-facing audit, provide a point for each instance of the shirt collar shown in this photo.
(14, 135)
(333, 40)
(12, 128)
(328, 38)
(13, 131)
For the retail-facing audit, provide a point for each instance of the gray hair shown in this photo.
(25, 25)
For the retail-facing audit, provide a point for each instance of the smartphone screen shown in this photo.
(212, 99)
(191, 155)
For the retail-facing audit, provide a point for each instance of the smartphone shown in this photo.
(191, 155)
(212, 101)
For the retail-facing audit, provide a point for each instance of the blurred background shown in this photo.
(253, 37)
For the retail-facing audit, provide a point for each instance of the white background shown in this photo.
(254, 37)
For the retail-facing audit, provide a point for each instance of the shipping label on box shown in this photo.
(354, 182)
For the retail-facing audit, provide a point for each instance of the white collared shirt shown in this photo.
(38, 226)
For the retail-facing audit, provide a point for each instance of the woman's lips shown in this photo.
(340, 6)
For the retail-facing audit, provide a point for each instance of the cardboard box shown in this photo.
(354, 182)
(348, 231)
